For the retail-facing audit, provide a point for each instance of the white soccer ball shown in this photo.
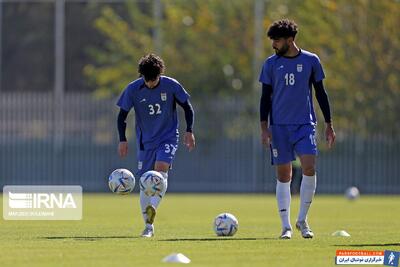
(352, 193)
(152, 183)
(121, 181)
(225, 224)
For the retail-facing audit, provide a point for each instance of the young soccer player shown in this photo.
(154, 98)
(288, 120)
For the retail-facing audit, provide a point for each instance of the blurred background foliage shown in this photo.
(209, 46)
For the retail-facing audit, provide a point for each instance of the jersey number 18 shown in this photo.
(289, 79)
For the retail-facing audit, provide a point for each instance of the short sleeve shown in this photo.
(318, 72)
(125, 101)
(180, 93)
(266, 75)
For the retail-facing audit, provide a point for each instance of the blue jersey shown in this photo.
(155, 110)
(291, 80)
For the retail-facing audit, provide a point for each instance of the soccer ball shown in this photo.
(152, 184)
(225, 224)
(352, 193)
(121, 181)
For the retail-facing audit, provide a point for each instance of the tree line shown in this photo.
(208, 45)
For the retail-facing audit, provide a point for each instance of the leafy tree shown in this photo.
(197, 35)
(128, 35)
(357, 42)
(208, 46)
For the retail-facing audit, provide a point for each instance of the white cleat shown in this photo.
(286, 234)
(305, 230)
(148, 232)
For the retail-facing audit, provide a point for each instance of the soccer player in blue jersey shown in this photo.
(288, 120)
(154, 96)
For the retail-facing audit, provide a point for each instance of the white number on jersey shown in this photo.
(313, 140)
(289, 79)
(169, 148)
(155, 109)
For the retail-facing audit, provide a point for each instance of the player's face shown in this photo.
(152, 83)
(281, 46)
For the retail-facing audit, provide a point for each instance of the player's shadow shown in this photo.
(86, 238)
(96, 238)
(216, 239)
(370, 245)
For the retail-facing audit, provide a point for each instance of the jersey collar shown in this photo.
(298, 54)
(143, 85)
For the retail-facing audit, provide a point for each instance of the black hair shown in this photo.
(283, 28)
(150, 67)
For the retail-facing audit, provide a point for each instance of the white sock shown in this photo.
(307, 191)
(144, 202)
(283, 197)
(155, 201)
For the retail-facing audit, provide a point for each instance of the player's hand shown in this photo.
(330, 135)
(189, 141)
(123, 149)
(266, 137)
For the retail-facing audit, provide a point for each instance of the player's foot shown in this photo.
(305, 230)
(148, 231)
(151, 213)
(286, 233)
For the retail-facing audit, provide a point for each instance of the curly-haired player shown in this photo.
(154, 97)
(288, 120)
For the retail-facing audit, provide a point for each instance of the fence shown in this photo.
(31, 152)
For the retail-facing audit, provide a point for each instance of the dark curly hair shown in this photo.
(151, 66)
(283, 28)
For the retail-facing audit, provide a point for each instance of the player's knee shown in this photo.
(161, 166)
(308, 170)
(284, 179)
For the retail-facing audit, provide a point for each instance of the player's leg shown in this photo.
(164, 156)
(163, 168)
(282, 154)
(146, 160)
(283, 197)
(307, 191)
(306, 149)
(149, 204)
(308, 185)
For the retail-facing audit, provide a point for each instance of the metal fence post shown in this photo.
(258, 50)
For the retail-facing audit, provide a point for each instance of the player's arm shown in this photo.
(265, 108)
(121, 123)
(323, 101)
(189, 139)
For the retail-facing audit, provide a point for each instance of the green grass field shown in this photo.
(108, 233)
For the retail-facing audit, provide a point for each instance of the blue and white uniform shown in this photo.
(292, 116)
(156, 119)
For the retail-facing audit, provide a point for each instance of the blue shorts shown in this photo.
(290, 139)
(164, 152)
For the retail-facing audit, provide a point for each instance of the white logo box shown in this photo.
(42, 202)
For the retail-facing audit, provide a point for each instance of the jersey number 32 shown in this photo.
(154, 109)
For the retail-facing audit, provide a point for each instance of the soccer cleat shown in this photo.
(151, 213)
(305, 230)
(148, 232)
(286, 234)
